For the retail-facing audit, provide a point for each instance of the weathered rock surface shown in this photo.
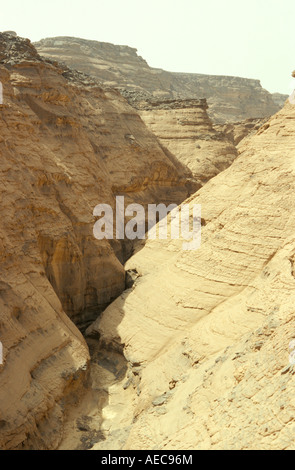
(235, 132)
(206, 333)
(229, 98)
(66, 145)
(185, 130)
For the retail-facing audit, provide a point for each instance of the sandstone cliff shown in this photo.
(206, 333)
(229, 98)
(185, 130)
(66, 145)
(235, 132)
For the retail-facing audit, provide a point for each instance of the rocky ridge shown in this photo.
(229, 98)
(235, 132)
(203, 332)
(66, 145)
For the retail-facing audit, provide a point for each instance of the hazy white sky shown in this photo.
(247, 38)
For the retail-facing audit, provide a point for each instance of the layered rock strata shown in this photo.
(206, 334)
(229, 98)
(66, 145)
(184, 129)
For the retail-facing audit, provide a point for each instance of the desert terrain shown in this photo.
(120, 344)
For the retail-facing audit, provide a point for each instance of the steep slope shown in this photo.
(229, 98)
(235, 132)
(66, 145)
(279, 99)
(206, 333)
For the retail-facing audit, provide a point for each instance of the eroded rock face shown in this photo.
(193, 325)
(229, 98)
(237, 131)
(206, 333)
(65, 147)
(185, 130)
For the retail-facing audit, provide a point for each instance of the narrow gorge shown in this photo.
(120, 344)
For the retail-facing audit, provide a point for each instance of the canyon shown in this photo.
(215, 372)
(53, 271)
(113, 344)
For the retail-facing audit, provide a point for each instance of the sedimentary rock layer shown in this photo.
(279, 99)
(229, 98)
(66, 145)
(206, 333)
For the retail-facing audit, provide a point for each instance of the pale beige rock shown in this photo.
(65, 147)
(185, 130)
(229, 98)
(280, 99)
(205, 334)
(210, 329)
